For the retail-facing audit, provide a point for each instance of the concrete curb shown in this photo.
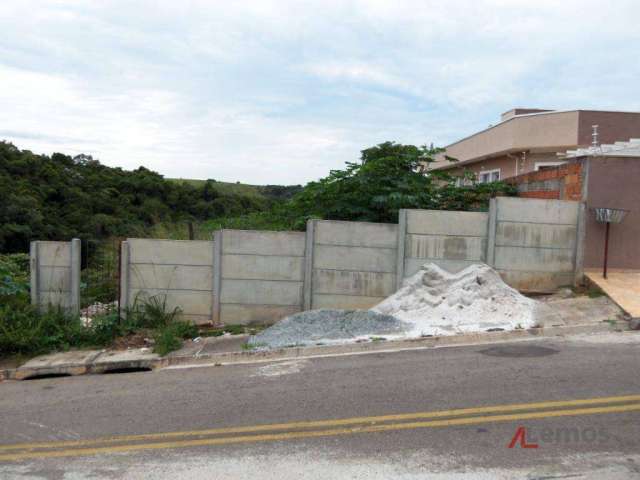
(246, 357)
(98, 364)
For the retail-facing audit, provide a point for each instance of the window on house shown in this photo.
(489, 176)
(547, 165)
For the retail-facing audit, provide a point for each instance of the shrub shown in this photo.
(27, 331)
(14, 279)
(166, 341)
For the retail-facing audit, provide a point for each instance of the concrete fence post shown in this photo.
(74, 293)
(491, 234)
(34, 274)
(124, 278)
(307, 288)
(402, 239)
(217, 276)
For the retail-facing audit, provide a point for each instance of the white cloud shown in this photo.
(281, 92)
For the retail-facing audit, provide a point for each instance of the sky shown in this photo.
(281, 92)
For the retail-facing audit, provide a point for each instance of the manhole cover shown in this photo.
(514, 351)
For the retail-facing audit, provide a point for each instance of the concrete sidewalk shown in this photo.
(622, 286)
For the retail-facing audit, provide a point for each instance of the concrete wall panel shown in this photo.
(365, 259)
(528, 210)
(189, 301)
(171, 277)
(412, 265)
(55, 299)
(55, 279)
(534, 259)
(445, 247)
(258, 314)
(354, 283)
(54, 254)
(348, 302)
(535, 235)
(172, 252)
(537, 281)
(259, 292)
(263, 243)
(436, 222)
(356, 234)
(257, 267)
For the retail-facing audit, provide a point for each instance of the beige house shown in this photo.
(528, 139)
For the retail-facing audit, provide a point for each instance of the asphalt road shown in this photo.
(441, 413)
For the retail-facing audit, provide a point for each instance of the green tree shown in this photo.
(389, 177)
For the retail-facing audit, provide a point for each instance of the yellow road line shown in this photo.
(324, 423)
(316, 433)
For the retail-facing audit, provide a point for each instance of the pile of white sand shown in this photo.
(436, 302)
(432, 302)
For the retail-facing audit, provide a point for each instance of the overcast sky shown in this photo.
(281, 92)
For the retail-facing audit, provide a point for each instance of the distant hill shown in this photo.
(58, 197)
(273, 192)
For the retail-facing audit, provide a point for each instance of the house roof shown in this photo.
(618, 149)
(539, 131)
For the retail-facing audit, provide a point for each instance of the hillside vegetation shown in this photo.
(58, 197)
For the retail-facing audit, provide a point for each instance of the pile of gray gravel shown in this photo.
(328, 327)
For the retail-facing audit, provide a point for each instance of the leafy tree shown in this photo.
(389, 177)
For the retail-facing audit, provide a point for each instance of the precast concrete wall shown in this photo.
(352, 264)
(532, 243)
(451, 240)
(261, 275)
(244, 277)
(179, 272)
(55, 274)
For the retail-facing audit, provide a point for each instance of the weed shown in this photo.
(253, 346)
(166, 341)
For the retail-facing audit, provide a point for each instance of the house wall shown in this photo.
(556, 131)
(613, 182)
(507, 164)
(541, 136)
(564, 182)
(612, 126)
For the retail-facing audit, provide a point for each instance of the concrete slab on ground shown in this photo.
(124, 359)
(622, 286)
(584, 310)
(74, 362)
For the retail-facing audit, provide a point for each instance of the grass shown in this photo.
(231, 329)
(591, 291)
(25, 331)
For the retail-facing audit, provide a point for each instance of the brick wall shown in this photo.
(563, 182)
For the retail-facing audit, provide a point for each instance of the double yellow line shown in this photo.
(319, 428)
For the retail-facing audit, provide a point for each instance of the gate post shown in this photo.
(34, 276)
(123, 301)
